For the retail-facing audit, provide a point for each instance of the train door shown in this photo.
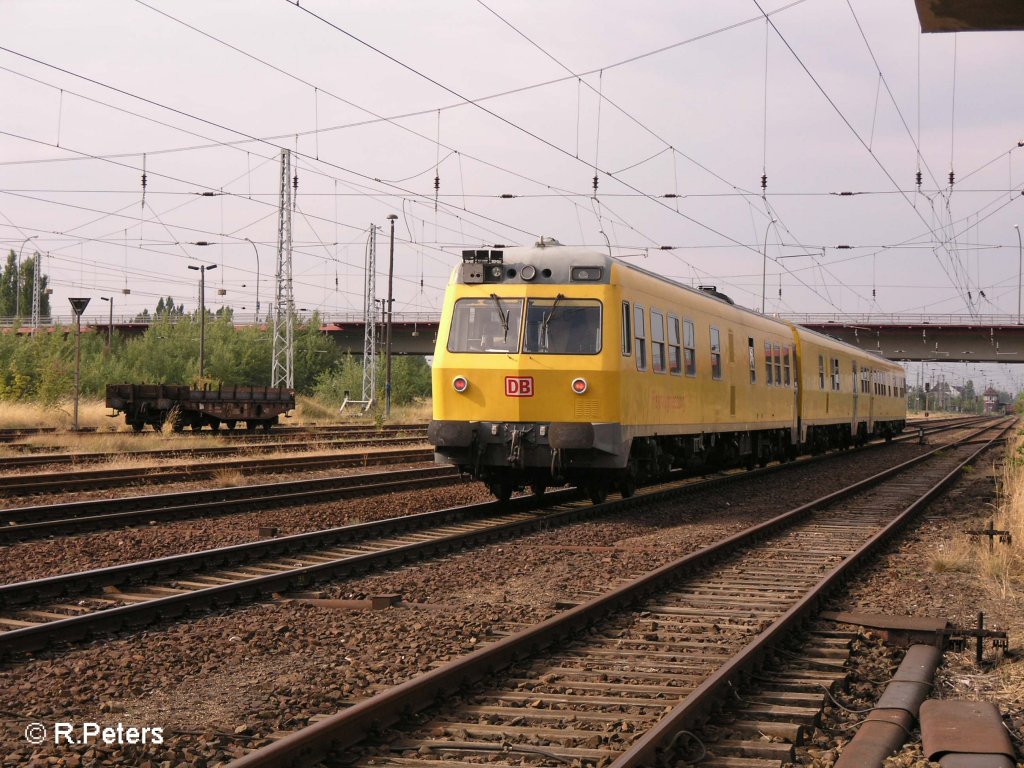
(872, 384)
(856, 398)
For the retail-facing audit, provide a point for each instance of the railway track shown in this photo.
(617, 680)
(38, 457)
(21, 523)
(13, 434)
(75, 606)
(95, 479)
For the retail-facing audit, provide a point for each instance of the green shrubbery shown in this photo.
(42, 368)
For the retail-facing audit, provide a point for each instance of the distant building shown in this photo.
(992, 403)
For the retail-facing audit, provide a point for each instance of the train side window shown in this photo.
(640, 334)
(751, 360)
(689, 348)
(716, 353)
(657, 341)
(627, 331)
(768, 363)
(821, 372)
(777, 359)
(835, 374)
(785, 365)
(675, 350)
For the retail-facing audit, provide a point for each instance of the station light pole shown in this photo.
(110, 322)
(257, 252)
(391, 311)
(17, 278)
(1020, 266)
(764, 262)
(202, 314)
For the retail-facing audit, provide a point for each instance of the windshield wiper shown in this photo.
(547, 319)
(502, 315)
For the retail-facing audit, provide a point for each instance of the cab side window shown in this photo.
(689, 348)
(657, 341)
(768, 363)
(675, 351)
(640, 335)
(751, 361)
(716, 353)
(627, 331)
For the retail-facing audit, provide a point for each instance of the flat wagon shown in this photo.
(183, 406)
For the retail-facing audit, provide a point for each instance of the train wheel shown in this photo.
(231, 424)
(267, 425)
(137, 426)
(502, 489)
(538, 488)
(598, 492)
(628, 486)
(214, 425)
(250, 426)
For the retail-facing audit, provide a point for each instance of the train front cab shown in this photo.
(522, 385)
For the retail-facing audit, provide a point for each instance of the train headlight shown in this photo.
(460, 383)
(528, 272)
(579, 386)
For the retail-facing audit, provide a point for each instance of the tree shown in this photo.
(8, 281)
(16, 292)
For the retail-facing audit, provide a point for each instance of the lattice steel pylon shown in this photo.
(282, 363)
(35, 293)
(370, 319)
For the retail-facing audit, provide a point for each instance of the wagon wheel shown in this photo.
(267, 425)
(598, 492)
(230, 424)
(502, 489)
(138, 426)
(628, 486)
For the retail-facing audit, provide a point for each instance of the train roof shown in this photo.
(554, 263)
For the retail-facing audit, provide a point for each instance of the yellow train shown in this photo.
(562, 365)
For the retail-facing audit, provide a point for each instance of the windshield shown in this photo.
(562, 326)
(486, 325)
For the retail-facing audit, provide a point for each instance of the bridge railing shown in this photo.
(881, 318)
(238, 318)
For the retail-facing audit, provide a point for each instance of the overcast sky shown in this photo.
(695, 99)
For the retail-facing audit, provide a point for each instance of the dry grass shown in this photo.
(228, 478)
(956, 556)
(91, 414)
(1003, 565)
(311, 411)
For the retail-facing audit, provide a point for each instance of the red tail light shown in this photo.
(460, 383)
(579, 386)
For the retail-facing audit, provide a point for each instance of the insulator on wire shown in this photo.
(951, 177)
(918, 180)
(764, 182)
(595, 183)
(295, 181)
(437, 183)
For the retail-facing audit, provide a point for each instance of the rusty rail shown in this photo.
(350, 726)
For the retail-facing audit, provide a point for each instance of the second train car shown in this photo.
(559, 365)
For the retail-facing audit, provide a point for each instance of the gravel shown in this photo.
(227, 681)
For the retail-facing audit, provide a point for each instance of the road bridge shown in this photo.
(916, 338)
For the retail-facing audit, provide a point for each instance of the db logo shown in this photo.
(519, 386)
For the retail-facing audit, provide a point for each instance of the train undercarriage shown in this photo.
(602, 458)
